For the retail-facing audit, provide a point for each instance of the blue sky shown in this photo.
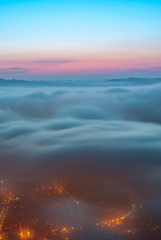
(97, 31)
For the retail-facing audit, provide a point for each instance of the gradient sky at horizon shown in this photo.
(87, 39)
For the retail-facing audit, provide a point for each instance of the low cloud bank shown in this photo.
(108, 136)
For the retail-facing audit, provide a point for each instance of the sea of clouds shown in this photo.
(98, 134)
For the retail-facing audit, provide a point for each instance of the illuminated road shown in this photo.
(2, 217)
(117, 221)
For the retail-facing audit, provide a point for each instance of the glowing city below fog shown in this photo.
(24, 228)
(80, 120)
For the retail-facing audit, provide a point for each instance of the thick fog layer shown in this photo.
(107, 136)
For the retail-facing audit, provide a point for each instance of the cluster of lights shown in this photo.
(117, 221)
(25, 234)
(11, 201)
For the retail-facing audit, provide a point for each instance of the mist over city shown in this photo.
(80, 120)
(81, 162)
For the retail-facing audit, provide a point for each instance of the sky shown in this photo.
(79, 39)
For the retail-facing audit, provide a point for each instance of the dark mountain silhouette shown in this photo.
(110, 82)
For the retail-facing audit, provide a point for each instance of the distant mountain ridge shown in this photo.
(133, 79)
(110, 82)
